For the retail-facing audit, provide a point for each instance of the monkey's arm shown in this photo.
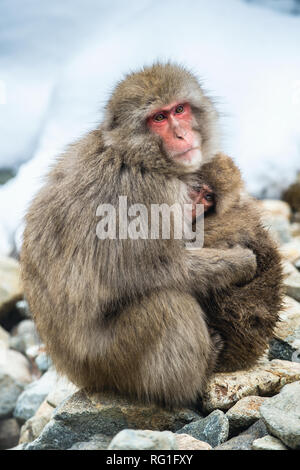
(214, 269)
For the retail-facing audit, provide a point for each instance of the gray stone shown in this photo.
(33, 395)
(9, 433)
(15, 365)
(213, 429)
(296, 356)
(24, 336)
(130, 439)
(281, 415)
(23, 308)
(97, 442)
(268, 443)
(279, 349)
(83, 415)
(279, 228)
(34, 426)
(62, 390)
(43, 362)
(9, 393)
(245, 440)
(244, 413)
(291, 281)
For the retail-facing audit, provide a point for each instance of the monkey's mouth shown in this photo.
(189, 155)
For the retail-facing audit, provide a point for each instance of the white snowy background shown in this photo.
(59, 61)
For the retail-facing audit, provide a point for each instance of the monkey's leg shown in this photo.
(245, 322)
(245, 316)
(158, 350)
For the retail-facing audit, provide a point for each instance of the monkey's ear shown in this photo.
(224, 177)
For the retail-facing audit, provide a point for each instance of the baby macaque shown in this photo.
(244, 314)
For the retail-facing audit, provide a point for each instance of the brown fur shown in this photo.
(122, 315)
(244, 315)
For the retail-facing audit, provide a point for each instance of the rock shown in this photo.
(213, 429)
(10, 283)
(32, 352)
(291, 251)
(287, 333)
(279, 349)
(43, 361)
(268, 443)
(281, 415)
(83, 415)
(4, 337)
(97, 442)
(9, 393)
(276, 217)
(187, 442)
(291, 281)
(62, 390)
(245, 440)
(276, 208)
(130, 439)
(33, 395)
(226, 389)
(279, 229)
(15, 365)
(296, 356)
(35, 425)
(244, 413)
(9, 433)
(24, 335)
(18, 447)
(295, 229)
(23, 308)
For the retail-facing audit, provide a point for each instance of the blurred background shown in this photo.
(59, 61)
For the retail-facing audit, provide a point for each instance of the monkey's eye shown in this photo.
(209, 197)
(179, 109)
(159, 117)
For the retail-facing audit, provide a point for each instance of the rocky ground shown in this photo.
(255, 409)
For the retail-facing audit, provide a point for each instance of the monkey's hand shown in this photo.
(245, 264)
(213, 269)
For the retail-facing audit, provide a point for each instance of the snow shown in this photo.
(61, 63)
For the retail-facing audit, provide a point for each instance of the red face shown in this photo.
(173, 124)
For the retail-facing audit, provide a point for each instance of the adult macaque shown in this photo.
(244, 315)
(122, 314)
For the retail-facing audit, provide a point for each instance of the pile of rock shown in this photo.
(254, 409)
